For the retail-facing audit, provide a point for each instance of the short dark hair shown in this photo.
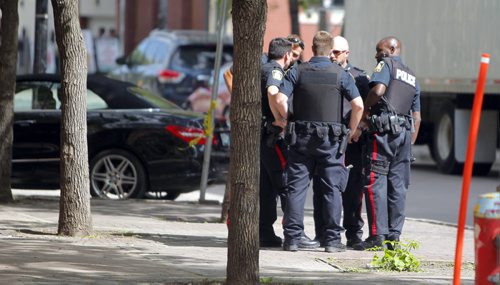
(278, 47)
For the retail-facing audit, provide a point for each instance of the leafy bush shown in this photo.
(397, 257)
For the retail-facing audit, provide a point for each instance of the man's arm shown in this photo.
(417, 118)
(356, 114)
(278, 102)
(374, 95)
(228, 78)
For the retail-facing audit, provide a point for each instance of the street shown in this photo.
(432, 195)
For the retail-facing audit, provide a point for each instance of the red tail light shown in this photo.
(170, 76)
(188, 134)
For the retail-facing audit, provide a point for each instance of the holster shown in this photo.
(290, 134)
(344, 141)
(272, 134)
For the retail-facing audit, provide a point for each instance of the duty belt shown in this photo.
(336, 132)
(390, 123)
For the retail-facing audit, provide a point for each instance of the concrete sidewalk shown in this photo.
(164, 242)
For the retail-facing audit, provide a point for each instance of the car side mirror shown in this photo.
(122, 60)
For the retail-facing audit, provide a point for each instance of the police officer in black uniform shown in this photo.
(393, 110)
(352, 197)
(272, 148)
(317, 140)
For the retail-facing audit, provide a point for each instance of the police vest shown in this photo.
(361, 80)
(402, 88)
(316, 95)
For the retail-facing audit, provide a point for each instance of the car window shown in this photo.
(138, 56)
(35, 96)
(150, 52)
(152, 98)
(94, 102)
(160, 54)
(46, 96)
(198, 57)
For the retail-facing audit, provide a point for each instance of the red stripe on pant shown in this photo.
(280, 156)
(282, 161)
(373, 228)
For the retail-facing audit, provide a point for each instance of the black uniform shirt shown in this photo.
(361, 79)
(271, 75)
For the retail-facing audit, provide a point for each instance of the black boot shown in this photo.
(370, 242)
(306, 242)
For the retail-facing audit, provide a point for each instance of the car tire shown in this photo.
(162, 195)
(117, 174)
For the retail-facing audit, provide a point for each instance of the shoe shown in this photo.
(352, 242)
(321, 241)
(370, 242)
(306, 242)
(390, 246)
(336, 247)
(272, 241)
(290, 247)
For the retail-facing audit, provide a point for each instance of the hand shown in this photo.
(354, 136)
(280, 123)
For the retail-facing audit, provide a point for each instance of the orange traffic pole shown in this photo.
(469, 162)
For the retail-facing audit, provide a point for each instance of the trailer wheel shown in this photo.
(443, 145)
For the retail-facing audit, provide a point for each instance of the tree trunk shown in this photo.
(74, 205)
(227, 196)
(8, 62)
(294, 16)
(249, 18)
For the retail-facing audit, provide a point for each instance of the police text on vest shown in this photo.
(404, 76)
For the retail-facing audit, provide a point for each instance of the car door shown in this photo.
(32, 102)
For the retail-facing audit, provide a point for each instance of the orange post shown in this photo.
(469, 162)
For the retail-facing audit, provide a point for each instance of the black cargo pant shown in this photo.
(387, 176)
(352, 197)
(313, 153)
(272, 184)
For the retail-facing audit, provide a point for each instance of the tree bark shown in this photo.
(8, 62)
(249, 18)
(74, 206)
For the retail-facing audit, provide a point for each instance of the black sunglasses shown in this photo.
(296, 41)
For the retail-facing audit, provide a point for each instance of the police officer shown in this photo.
(393, 108)
(280, 106)
(352, 197)
(316, 138)
(272, 149)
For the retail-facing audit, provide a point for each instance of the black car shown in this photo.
(137, 142)
(172, 63)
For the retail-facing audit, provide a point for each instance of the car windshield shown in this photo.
(152, 98)
(199, 57)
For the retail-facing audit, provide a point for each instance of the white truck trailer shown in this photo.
(442, 42)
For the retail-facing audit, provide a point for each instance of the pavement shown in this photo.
(181, 242)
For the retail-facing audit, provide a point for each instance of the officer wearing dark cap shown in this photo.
(393, 111)
(272, 149)
(317, 140)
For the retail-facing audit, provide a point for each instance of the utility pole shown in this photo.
(323, 21)
(41, 34)
(162, 14)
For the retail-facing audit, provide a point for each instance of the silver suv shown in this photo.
(172, 63)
